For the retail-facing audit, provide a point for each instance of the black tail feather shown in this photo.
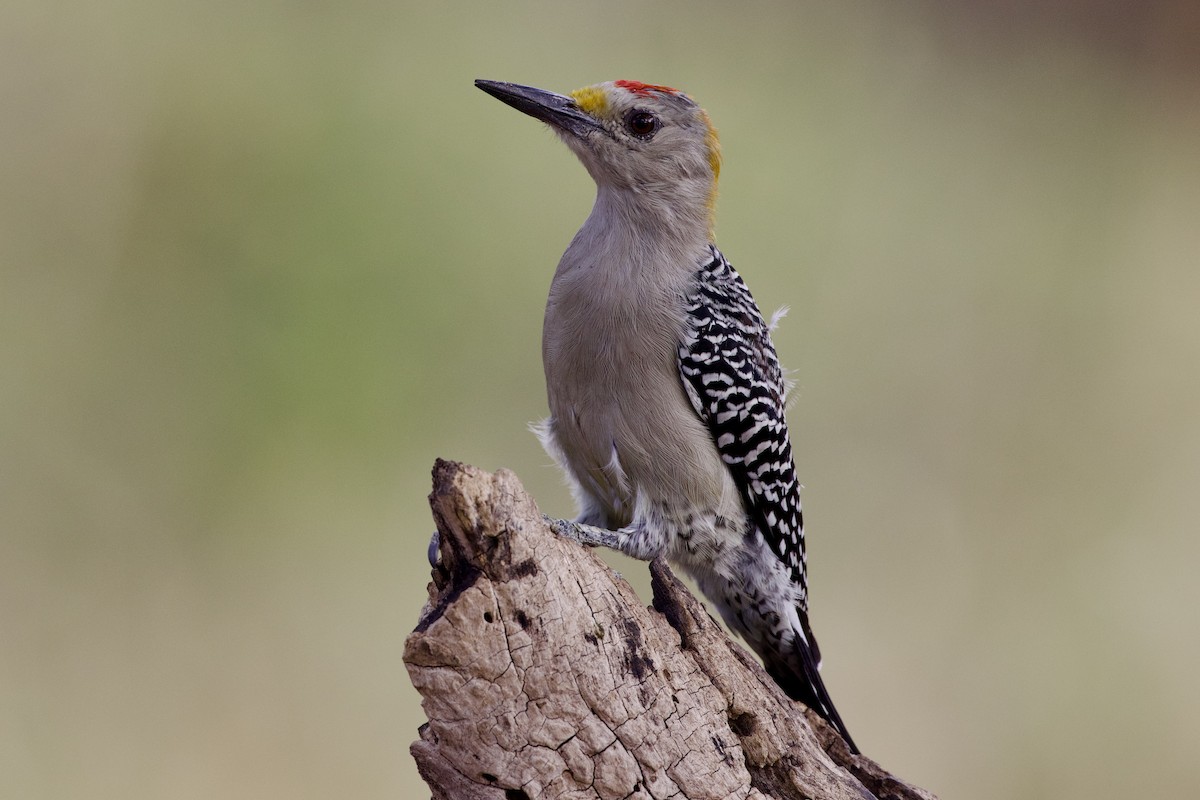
(797, 674)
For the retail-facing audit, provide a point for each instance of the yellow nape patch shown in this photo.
(714, 146)
(591, 100)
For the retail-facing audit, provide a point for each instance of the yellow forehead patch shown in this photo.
(591, 100)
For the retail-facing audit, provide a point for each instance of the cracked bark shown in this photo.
(543, 676)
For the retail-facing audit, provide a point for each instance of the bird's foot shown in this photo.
(587, 535)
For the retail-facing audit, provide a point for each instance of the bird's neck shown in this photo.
(671, 217)
(633, 244)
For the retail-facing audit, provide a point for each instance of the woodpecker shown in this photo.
(666, 396)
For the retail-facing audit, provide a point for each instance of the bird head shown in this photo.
(652, 142)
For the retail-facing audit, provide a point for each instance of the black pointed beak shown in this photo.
(556, 110)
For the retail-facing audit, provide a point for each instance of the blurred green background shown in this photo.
(261, 263)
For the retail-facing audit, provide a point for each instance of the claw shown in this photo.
(434, 554)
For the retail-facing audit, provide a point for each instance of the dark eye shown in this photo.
(642, 124)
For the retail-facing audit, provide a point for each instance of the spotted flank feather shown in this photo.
(733, 379)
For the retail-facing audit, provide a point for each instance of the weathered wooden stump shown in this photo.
(544, 676)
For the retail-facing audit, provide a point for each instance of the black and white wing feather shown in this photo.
(733, 379)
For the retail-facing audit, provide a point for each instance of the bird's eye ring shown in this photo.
(642, 124)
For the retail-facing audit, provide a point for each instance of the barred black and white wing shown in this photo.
(733, 379)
